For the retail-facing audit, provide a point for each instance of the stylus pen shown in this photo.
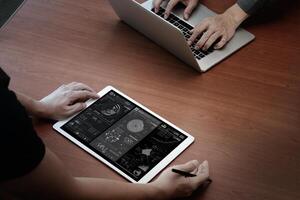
(187, 174)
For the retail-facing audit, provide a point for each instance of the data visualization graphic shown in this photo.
(126, 133)
(145, 155)
(98, 117)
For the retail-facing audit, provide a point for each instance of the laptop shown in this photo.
(172, 34)
(8, 8)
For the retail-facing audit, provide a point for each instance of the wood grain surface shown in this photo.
(244, 113)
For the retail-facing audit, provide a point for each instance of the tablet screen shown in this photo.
(127, 136)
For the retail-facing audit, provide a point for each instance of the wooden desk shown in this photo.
(244, 113)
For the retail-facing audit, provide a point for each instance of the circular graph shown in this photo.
(135, 125)
(111, 110)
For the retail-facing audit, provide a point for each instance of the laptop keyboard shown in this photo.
(185, 29)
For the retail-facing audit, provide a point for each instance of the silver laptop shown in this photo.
(173, 33)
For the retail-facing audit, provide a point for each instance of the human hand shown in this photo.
(218, 29)
(65, 101)
(173, 185)
(190, 6)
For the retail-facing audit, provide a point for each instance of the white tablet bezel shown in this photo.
(155, 170)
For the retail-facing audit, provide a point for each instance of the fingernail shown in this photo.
(189, 42)
(166, 16)
(186, 16)
(197, 48)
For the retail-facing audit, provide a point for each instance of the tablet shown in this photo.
(125, 135)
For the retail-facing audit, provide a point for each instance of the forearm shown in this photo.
(252, 6)
(32, 106)
(236, 14)
(95, 188)
(50, 180)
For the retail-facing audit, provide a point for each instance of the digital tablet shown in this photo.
(125, 135)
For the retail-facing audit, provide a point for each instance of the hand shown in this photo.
(218, 29)
(173, 185)
(66, 100)
(190, 6)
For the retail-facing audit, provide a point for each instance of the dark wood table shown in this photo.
(244, 113)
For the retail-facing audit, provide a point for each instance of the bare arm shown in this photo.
(50, 180)
(61, 103)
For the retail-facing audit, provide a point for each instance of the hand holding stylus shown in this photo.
(177, 185)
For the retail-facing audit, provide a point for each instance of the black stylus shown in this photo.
(187, 174)
(183, 173)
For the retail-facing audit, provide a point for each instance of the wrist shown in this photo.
(236, 15)
(40, 109)
(157, 192)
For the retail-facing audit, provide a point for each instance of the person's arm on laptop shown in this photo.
(219, 29)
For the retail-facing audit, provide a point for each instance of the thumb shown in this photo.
(189, 166)
(189, 9)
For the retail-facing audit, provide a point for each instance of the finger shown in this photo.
(156, 5)
(203, 168)
(76, 108)
(211, 40)
(206, 35)
(202, 175)
(170, 6)
(221, 43)
(189, 9)
(189, 166)
(82, 86)
(199, 29)
(80, 96)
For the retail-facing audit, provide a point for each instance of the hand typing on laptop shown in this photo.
(190, 6)
(216, 30)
